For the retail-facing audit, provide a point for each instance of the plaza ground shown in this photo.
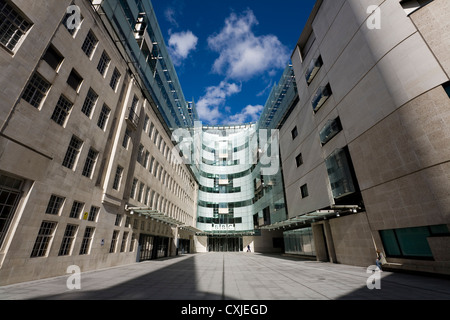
(232, 276)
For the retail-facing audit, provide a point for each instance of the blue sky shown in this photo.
(228, 54)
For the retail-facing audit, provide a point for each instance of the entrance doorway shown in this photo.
(225, 244)
(152, 247)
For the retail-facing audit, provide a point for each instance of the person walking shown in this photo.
(248, 248)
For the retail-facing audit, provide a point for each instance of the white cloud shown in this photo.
(170, 15)
(209, 106)
(248, 114)
(181, 44)
(244, 55)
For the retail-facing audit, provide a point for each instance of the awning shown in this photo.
(312, 217)
(160, 216)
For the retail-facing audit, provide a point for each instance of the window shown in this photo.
(103, 117)
(89, 44)
(118, 220)
(93, 213)
(321, 96)
(54, 205)
(72, 152)
(313, 69)
(86, 242)
(90, 163)
(10, 192)
(133, 117)
(53, 57)
(13, 25)
(294, 133)
(140, 156)
(411, 242)
(299, 160)
(103, 63)
(115, 79)
(141, 191)
(117, 178)
(447, 88)
(45, 236)
(75, 212)
(74, 80)
(304, 190)
(115, 236)
(409, 6)
(124, 242)
(133, 188)
(36, 90)
(89, 102)
(340, 173)
(68, 240)
(126, 139)
(62, 111)
(330, 130)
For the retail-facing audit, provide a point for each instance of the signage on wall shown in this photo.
(223, 227)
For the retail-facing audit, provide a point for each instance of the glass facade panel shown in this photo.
(299, 242)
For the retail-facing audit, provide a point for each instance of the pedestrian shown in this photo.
(248, 248)
(380, 260)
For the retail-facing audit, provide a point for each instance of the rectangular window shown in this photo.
(447, 88)
(299, 160)
(124, 242)
(45, 236)
(118, 220)
(89, 102)
(321, 96)
(89, 44)
(117, 178)
(13, 25)
(140, 156)
(141, 192)
(10, 192)
(294, 133)
(54, 205)
(68, 240)
(103, 63)
(304, 190)
(87, 239)
(36, 90)
(53, 57)
(115, 236)
(90, 163)
(103, 117)
(126, 138)
(62, 111)
(93, 213)
(330, 130)
(133, 188)
(411, 243)
(77, 208)
(74, 80)
(313, 69)
(340, 173)
(72, 152)
(115, 79)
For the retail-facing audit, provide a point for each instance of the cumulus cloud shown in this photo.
(181, 44)
(248, 114)
(210, 105)
(244, 55)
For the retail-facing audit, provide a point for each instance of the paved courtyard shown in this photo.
(233, 276)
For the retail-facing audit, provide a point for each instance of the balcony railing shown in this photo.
(132, 118)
